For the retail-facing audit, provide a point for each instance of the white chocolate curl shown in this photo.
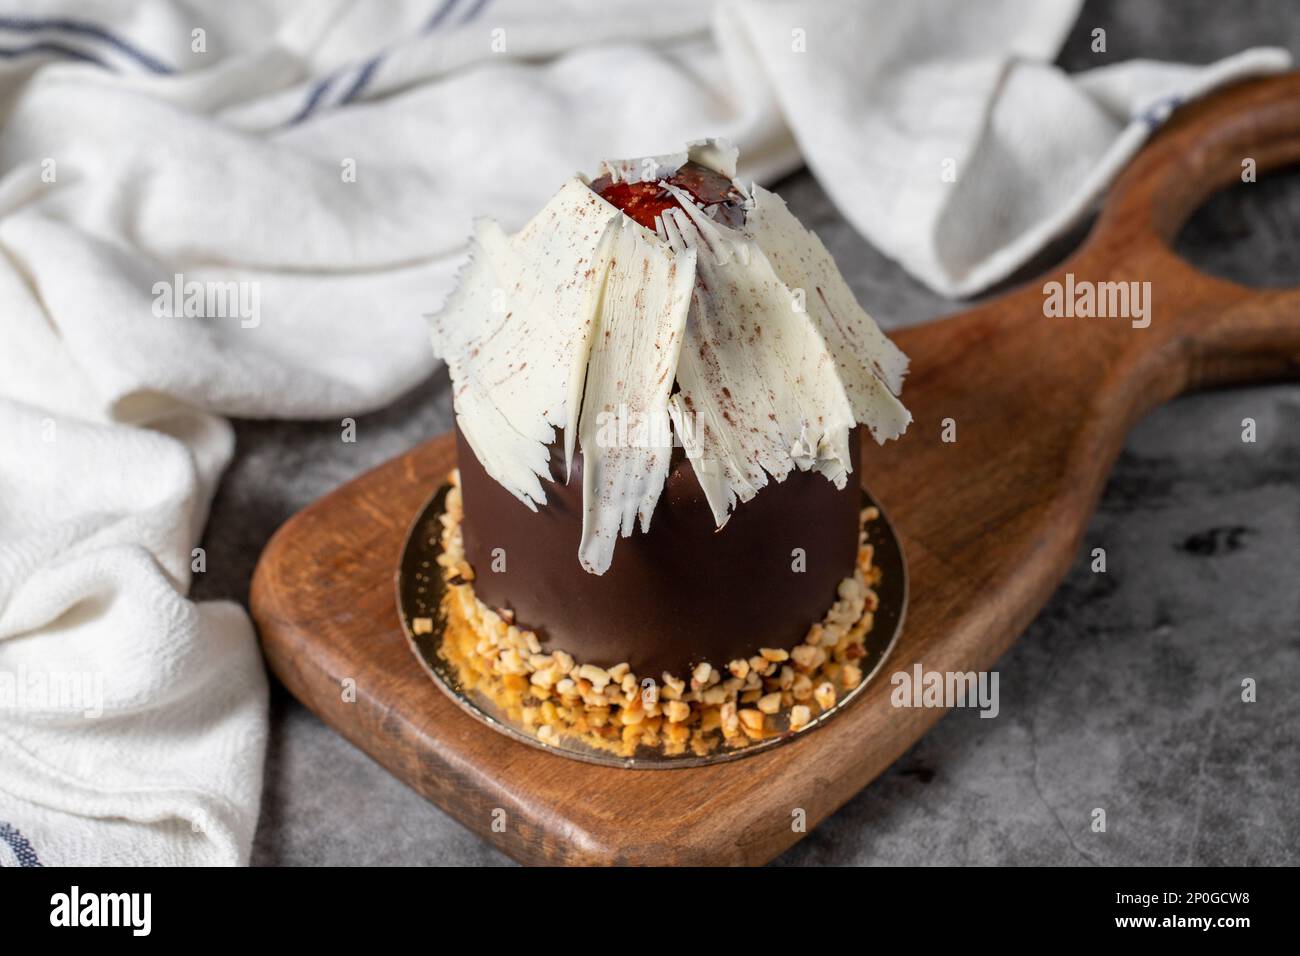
(633, 358)
(584, 321)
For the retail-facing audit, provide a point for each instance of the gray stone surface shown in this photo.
(1123, 694)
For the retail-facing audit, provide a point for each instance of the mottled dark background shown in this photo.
(1123, 694)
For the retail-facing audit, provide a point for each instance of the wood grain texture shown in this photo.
(989, 523)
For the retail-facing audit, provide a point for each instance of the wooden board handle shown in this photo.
(1206, 330)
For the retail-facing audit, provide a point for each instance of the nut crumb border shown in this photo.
(553, 697)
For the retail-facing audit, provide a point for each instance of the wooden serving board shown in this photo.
(989, 523)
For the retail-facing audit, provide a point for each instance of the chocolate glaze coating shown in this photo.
(678, 595)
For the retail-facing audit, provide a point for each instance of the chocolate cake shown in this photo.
(660, 347)
(678, 595)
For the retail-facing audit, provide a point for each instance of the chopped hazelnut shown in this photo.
(729, 719)
(807, 657)
(598, 676)
(802, 687)
(825, 696)
(511, 662)
(677, 711)
(544, 678)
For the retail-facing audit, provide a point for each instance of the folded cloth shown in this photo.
(246, 210)
(947, 137)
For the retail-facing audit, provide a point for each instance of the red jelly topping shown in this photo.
(645, 201)
(642, 201)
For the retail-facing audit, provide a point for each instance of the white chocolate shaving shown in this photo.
(644, 168)
(512, 458)
(719, 155)
(870, 365)
(755, 376)
(517, 332)
(716, 154)
(626, 445)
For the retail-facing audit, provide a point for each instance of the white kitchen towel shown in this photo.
(246, 208)
(948, 138)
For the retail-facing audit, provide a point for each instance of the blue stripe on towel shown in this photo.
(1157, 113)
(474, 11)
(57, 49)
(313, 98)
(22, 849)
(435, 21)
(87, 29)
(362, 79)
(371, 66)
